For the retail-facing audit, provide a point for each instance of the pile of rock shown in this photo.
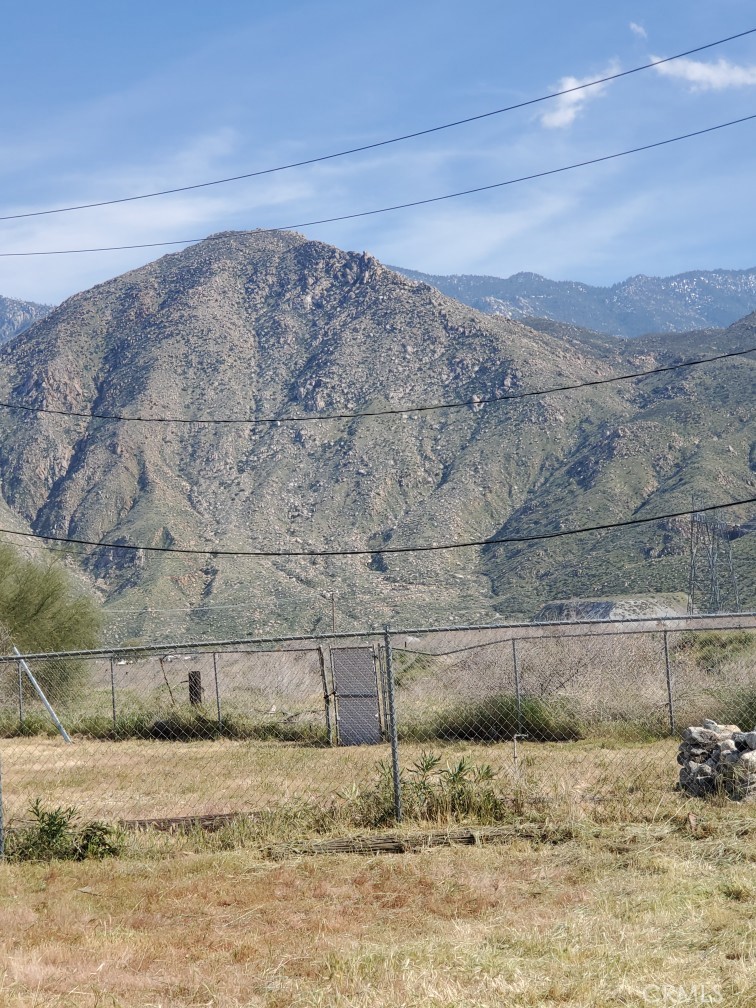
(718, 759)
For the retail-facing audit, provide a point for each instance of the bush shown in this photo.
(711, 649)
(59, 833)
(499, 719)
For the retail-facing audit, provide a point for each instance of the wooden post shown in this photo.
(195, 687)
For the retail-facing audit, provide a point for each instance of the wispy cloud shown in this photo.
(183, 215)
(708, 76)
(638, 30)
(567, 107)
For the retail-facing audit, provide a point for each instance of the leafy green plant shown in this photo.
(430, 792)
(60, 834)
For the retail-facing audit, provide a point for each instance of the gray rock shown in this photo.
(700, 736)
(705, 770)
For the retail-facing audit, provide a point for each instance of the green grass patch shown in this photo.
(181, 725)
(736, 706)
(711, 649)
(500, 718)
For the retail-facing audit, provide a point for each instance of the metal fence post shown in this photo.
(518, 690)
(326, 697)
(40, 693)
(20, 695)
(670, 693)
(113, 695)
(393, 734)
(217, 689)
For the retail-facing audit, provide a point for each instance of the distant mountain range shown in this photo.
(262, 327)
(15, 316)
(702, 299)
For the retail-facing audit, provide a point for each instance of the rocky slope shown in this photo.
(698, 300)
(258, 326)
(15, 316)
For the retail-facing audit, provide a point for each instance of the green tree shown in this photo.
(43, 607)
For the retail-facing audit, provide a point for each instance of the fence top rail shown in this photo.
(647, 624)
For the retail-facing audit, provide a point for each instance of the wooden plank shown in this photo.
(400, 843)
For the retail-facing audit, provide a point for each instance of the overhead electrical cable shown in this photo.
(380, 143)
(389, 209)
(379, 551)
(398, 411)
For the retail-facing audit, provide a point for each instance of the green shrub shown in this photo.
(499, 718)
(60, 834)
(711, 649)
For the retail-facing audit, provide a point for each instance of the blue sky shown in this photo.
(107, 100)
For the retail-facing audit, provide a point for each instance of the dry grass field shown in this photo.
(662, 912)
(136, 779)
(611, 890)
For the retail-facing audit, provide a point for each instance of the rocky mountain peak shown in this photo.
(261, 327)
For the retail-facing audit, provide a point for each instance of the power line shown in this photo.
(480, 401)
(379, 143)
(386, 549)
(397, 206)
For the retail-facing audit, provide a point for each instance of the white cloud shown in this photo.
(638, 30)
(564, 110)
(708, 76)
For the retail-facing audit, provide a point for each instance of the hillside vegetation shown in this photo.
(265, 326)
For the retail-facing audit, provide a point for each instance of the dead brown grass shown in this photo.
(604, 918)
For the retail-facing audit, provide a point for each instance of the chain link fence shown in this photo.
(462, 724)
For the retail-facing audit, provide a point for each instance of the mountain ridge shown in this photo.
(15, 316)
(263, 326)
(639, 305)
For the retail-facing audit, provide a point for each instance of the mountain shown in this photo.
(701, 299)
(270, 326)
(15, 316)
